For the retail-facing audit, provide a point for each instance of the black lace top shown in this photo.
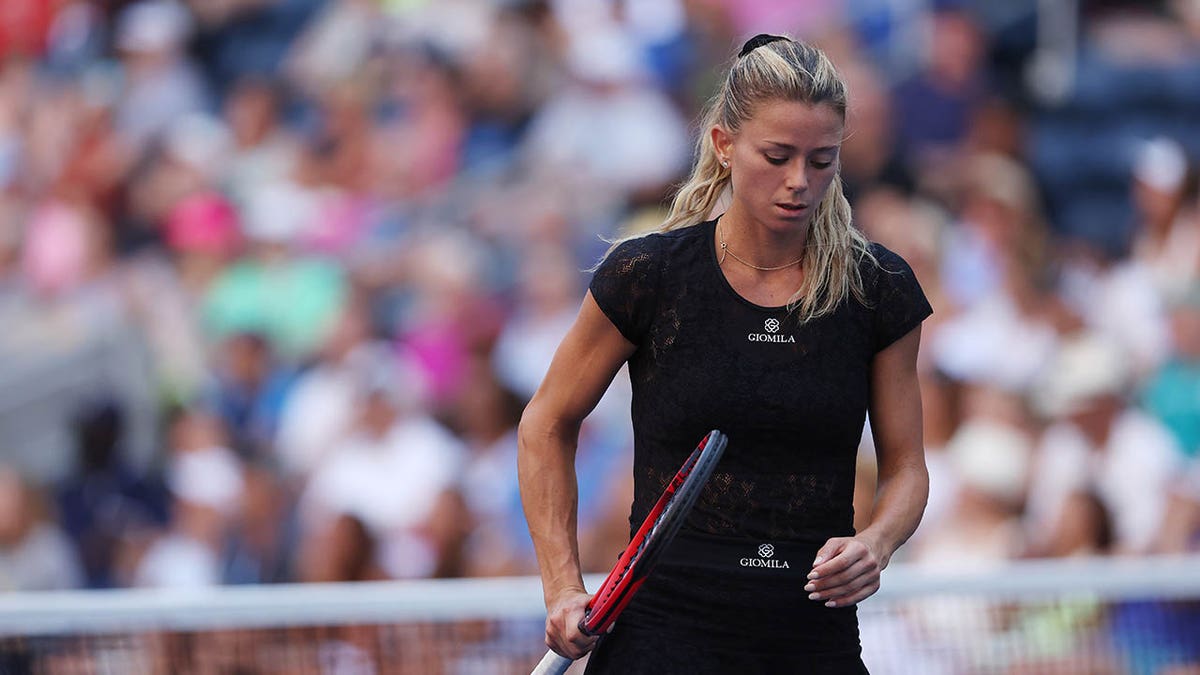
(791, 398)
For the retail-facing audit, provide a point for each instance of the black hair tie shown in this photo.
(758, 41)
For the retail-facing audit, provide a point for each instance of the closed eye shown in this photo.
(776, 160)
(822, 165)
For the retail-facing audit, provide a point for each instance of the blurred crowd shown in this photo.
(278, 276)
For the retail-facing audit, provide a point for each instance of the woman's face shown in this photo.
(782, 161)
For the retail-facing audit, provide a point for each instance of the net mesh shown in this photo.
(1097, 618)
(465, 646)
(954, 634)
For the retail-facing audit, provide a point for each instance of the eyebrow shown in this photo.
(788, 146)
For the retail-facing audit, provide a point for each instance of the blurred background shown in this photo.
(278, 276)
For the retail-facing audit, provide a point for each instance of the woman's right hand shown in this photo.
(563, 615)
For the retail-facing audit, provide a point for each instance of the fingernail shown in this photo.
(814, 596)
(831, 603)
(810, 587)
(813, 575)
(818, 561)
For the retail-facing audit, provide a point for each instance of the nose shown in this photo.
(797, 178)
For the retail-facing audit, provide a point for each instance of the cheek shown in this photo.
(751, 177)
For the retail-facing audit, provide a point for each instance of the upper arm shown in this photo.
(895, 405)
(583, 366)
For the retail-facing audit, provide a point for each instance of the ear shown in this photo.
(722, 140)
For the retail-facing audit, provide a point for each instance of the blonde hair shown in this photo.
(772, 68)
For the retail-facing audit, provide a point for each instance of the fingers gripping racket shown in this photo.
(648, 543)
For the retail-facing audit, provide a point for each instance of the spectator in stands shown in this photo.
(290, 298)
(1170, 393)
(342, 550)
(449, 317)
(428, 121)
(187, 163)
(934, 108)
(105, 501)
(248, 393)
(1098, 444)
(547, 303)
(1167, 235)
(1117, 298)
(487, 417)
(990, 456)
(504, 79)
(263, 150)
(1084, 528)
(207, 486)
(870, 153)
(390, 471)
(608, 130)
(160, 83)
(319, 408)
(260, 545)
(203, 232)
(335, 45)
(1180, 532)
(35, 555)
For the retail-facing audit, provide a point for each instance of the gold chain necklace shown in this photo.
(725, 250)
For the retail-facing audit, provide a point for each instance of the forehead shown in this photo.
(794, 123)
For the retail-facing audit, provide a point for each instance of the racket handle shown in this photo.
(552, 664)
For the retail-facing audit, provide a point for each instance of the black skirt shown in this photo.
(719, 605)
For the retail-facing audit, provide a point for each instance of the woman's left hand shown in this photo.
(846, 571)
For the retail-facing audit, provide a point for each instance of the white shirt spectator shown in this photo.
(319, 410)
(1129, 475)
(392, 485)
(178, 561)
(994, 342)
(610, 125)
(1122, 303)
(44, 560)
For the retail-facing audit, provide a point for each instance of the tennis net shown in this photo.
(1136, 615)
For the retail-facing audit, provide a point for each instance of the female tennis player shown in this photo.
(780, 324)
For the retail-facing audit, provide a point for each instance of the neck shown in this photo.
(759, 245)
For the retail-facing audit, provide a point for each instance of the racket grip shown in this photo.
(552, 664)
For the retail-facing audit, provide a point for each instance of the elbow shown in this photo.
(531, 429)
(543, 428)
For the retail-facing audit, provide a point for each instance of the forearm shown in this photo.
(1181, 522)
(549, 495)
(903, 487)
(899, 503)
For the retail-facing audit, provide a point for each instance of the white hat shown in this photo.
(210, 476)
(1160, 163)
(152, 26)
(992, 458)
(1085, 368)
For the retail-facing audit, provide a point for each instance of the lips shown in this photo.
(793, 208)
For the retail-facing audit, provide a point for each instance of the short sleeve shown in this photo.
(899, 303)
(625, 286)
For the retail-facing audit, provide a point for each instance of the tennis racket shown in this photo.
(636, 563)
